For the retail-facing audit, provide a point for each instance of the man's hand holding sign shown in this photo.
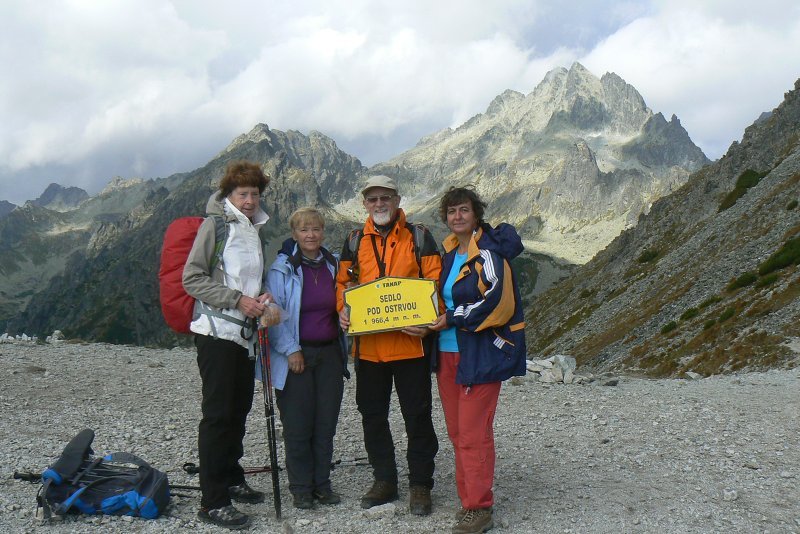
(391, 303)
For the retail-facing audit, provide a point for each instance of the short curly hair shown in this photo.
(242, 174)
(461, 195)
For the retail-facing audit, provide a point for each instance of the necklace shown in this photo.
(314, 273)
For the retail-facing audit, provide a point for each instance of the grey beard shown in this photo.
(382, 219)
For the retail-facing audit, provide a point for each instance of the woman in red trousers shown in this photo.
(481, 343)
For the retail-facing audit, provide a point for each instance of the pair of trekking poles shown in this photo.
(269, 410)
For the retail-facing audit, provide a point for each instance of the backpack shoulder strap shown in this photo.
(71, 459)
(353, 241)
(220, 238)
(351, 248)
(424, 243)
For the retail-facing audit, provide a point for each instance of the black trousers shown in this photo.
(309, 406)
(412, 381)
(228, 377)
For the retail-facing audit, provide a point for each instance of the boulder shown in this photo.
(564, 362)
(547, 377)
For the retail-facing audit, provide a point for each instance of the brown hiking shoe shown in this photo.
(474, 521)
(458, 515)
(419, 500)
(381, 492)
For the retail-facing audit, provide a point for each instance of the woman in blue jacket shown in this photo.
(308, 360)
(481, 343)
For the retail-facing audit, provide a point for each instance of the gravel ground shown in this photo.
(712, 455)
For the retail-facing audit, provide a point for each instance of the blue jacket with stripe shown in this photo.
(488, 313)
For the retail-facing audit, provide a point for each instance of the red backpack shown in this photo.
(177, 306)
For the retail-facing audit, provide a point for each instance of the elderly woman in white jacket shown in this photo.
(229, 296)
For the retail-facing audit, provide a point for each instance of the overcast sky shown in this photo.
(145, 88)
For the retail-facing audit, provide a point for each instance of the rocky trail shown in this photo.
(710, 455)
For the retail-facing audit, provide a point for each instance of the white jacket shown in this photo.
(243, 264)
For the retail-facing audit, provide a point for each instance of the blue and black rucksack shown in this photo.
(115, 484)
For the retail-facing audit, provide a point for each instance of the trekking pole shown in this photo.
(269, 409)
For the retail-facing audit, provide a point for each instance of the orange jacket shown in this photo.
(399, 258)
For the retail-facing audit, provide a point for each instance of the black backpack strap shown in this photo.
(78, 449)
(68, 466)
(63, 508)
(424, 243)
(353, 242)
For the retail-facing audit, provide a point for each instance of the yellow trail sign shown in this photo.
(391, 303)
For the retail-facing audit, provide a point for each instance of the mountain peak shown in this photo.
(580, 79)
(6, 207)
(118, 182)
(258, 133)
(501, 102)
(59, 198)
(578, 69)
(570, 156)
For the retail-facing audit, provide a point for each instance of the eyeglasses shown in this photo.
(382, 198)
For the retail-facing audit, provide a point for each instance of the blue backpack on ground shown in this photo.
(115, 484)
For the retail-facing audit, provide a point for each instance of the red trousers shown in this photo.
(469, 414)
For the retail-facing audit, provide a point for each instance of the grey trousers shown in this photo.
(309, 408)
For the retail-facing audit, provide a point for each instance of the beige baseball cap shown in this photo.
(379, 180)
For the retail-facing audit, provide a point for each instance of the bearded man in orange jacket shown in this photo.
(387, 248)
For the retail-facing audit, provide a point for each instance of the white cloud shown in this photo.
(716, 73)
(151, 87)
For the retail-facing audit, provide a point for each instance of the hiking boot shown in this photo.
(244, 493)
(327, 496)
(227, 516)
(419, 500)
(474, 521)
(381, 492)
(303, 501)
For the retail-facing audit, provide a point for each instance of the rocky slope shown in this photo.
(37, 239)
(661, 456)
(695, 285)
(109, 290)
(571, 164)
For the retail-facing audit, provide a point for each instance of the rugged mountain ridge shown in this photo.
(692, 286)
(60, 198)
(35, 240)
(586, 153)
(571, 164)
(108, 291)
(6, 207)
